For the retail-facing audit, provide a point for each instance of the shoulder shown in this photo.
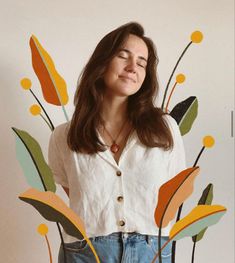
(170, 121)
(173, 126)
(59, 135)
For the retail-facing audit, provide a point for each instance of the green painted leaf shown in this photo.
(28, 152)
(185, 114)
(201, 217)
(206, 199)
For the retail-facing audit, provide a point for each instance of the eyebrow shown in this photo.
(128, 51)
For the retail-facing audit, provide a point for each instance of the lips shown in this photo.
(127, 78)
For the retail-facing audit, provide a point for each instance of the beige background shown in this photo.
(69, 30)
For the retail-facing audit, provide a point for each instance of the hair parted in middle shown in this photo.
(145, 118)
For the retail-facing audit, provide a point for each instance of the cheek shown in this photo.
(142, 77)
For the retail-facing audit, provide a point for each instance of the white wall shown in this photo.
(69, 30)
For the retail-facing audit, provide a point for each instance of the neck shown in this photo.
(114, 110)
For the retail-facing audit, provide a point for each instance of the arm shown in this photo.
(56, 152)
(66, 190)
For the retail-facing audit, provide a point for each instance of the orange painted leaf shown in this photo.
(53, 85)
(172, 194)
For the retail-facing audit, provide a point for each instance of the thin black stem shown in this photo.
(194, 246)
(159, 243)
(199, 156)
(52, 126)
(62, 241)
(176, 65)
(173, 248)
(48, 124)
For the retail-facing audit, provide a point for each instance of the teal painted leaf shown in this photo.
(185, 114)
(201, 217)
(206, 199)
(37, 172)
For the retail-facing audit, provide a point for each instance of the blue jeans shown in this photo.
(117, 248)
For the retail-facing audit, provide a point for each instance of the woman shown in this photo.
(117, 151)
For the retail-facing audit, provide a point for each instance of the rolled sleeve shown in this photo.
(56, 162)
(177, 161)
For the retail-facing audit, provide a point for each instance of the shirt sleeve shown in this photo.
(55, 159)
(177, 161)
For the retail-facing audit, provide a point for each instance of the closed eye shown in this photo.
(142, 66)
(120, 56)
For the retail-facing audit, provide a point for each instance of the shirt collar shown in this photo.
(107, 155)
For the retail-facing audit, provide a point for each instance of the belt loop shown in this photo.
(148, 239)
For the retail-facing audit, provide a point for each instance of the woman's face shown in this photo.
(126, 71)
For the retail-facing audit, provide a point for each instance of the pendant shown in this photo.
(114, 148)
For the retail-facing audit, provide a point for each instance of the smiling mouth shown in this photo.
(127, 78)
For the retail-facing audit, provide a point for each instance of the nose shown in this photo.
(131, 66)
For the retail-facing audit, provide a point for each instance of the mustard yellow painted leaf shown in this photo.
(201, 217)
(53, 85)
(172, 194)
(53, 208)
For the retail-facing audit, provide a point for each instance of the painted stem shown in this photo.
(169, 98)
(51, 124)
(199, 155)
(48, 124)
(176, 65)
(49, 248)
(173, 249)
(62, 242)
(157, 255)
(159, 242)
(65, 113)
(193, 252)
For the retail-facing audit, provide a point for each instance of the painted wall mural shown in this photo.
(172, 194)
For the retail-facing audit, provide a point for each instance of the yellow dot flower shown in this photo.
(180, 78)
(208, 141)
(26, 83)
(196, 37)
(42, 229)
(35, 110)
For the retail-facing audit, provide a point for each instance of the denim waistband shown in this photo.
(125, 236)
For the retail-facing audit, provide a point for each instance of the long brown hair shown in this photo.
(145, 118)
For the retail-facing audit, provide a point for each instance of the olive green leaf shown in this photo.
(185, 114)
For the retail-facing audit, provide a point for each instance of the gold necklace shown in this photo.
(114, 146)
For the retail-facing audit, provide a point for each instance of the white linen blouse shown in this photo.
(111, 197)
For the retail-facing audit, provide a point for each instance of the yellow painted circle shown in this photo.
(26, 83)
(208, 141)
(42, 229)
(180, 78)
(35, 109)
(196, 37)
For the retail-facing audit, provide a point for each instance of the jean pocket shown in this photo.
(166, 252)
(77, 246)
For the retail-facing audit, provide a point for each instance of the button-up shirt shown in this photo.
(111, 197)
